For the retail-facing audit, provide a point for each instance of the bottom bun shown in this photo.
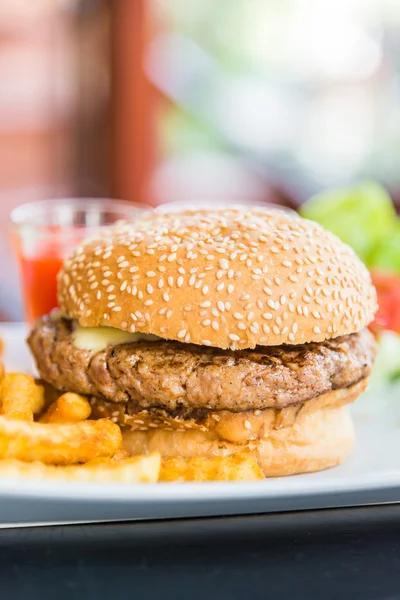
(319, 440)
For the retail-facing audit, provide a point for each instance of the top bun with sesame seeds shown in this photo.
(233, 278)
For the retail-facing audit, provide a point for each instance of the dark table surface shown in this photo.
(339, 554)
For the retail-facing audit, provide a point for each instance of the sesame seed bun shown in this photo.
(319, 440)
(234, 278)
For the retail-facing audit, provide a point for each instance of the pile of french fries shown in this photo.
(58, 440)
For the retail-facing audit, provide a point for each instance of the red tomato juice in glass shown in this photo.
(45, 233)
(39, 281)
(39, 269)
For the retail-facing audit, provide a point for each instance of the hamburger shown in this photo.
(215, 332)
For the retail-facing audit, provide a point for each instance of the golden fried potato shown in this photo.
(138, 469)
(59, 444)
(68, 408)
(237, 467)
(2, 369)
(38, 399)
(49, 392)
(120, 454)
(18, 395)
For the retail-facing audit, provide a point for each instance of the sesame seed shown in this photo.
(317, 330)
(221, 305)
(234, 337)
(181, 333)
(247, 424)
(205, 304)
(151, 274)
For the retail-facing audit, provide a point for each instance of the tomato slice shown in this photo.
(388, 290)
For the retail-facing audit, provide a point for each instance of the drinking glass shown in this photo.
(45, 233)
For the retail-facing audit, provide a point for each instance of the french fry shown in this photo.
(237, 467)
(2, 369)
(121, 454)
(18, 395)
(58, 444)
(68, 408)
(138, 469)
(38, 400)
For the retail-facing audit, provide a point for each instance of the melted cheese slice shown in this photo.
(98, 338)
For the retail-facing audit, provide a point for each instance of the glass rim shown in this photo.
(203, 204)
(21, 214)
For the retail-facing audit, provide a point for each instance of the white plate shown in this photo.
(372, 475)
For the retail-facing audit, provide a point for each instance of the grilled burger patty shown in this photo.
(169, 375)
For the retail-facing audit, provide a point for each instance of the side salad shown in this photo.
(364, 217)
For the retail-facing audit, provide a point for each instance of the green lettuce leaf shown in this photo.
(363, 216)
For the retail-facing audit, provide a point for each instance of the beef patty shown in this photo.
(184, 377)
